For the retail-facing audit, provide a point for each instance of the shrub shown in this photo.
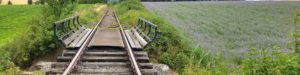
(37, 41)
(91, 1)
(296, 34)
(29, 2)
(41, 2)
(9, 2)
(60, 8)
(270, 62)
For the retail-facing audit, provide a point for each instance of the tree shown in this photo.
(9, 2)
(29, 2)
(40, 2)
(61, 8)
(0, 2)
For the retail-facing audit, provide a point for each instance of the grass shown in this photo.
(90, 13)
(14, 20)
(233, 27)
(169, 48)
(15, 23)
(25, 34)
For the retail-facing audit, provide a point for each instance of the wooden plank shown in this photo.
(139, 37)
(99, 71)
(111, 38)
(104, 53)
(78, 44)
(98, 59)
(144, 35)
(135, 41)
(132, 44)
(73, 44)
(80, 51)
(72, 37)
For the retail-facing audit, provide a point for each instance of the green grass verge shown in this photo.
(15, 19)
(25, 33)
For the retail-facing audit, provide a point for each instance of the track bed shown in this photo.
(106, 53)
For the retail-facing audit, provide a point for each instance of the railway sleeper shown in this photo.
(102, 64)
(102, 59)
(112, 71)
(104, 53)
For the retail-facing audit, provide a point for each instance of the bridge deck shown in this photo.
(111, 38)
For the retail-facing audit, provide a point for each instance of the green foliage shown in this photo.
(274, 62)
(29, 2)
(200, 62)
(91, 13)
(296, 33)
(169, 48)
(16, 35)
(60, 8)
(32, 30)
(9, 2)
(113, 1)
(233, 27)
(41, 2)
(92, 1)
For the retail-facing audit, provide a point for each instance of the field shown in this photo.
(14, 20)
(233, 27)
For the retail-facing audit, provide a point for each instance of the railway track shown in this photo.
(105, 51)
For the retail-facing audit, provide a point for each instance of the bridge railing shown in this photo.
(147, 30)
(68, 30)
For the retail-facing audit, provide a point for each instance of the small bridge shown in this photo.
(105, 49)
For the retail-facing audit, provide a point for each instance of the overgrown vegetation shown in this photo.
(296, 34)
(92, 1)
(172, 49)
(91, 13)
(14, 46)
(169, 48)
(35, 37)
(233, 27)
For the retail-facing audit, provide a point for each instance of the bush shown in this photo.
(29, 2)
(274, 62)
(40, 2)
(60, 8)
(9, 2)
(37, 41)
(91, 1)
(296, 34)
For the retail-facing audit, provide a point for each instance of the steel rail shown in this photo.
(81, 50)
(132, 59)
